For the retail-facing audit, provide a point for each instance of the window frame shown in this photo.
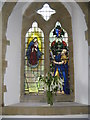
(46, 27)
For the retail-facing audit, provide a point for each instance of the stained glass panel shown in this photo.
(59, 56)
(34, 60)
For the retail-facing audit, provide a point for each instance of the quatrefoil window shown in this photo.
(46, 12)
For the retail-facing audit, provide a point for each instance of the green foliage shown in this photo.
(53, 84)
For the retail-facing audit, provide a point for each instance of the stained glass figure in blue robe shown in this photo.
(59, 49)
(64, 69)
(61, 65)
(33, 53)
(59, 56)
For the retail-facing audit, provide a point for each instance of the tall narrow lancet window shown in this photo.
(34, 60)
(59, 56)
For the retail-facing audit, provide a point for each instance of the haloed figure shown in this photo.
(33, 53)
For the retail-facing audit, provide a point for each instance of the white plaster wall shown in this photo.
(13, 56)
(80, 51)
(89, 75)
(80, 56)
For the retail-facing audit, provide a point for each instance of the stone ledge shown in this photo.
(45, 109)
(42, 98)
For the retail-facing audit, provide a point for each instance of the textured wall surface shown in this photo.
(0, 63)
(13, 55)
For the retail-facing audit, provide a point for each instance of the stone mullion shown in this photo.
(46, 53)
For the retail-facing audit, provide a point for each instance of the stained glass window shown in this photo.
(59, 56)
(34, 60)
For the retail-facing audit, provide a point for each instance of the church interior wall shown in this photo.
(80, 55)
(13, 56)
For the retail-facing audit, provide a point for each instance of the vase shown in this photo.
(50, 97)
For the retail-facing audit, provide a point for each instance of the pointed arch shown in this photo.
(34, 59)
(59, 54)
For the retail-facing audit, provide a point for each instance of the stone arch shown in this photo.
(65, 19)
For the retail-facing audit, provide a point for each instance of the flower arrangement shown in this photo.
(53, 84)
